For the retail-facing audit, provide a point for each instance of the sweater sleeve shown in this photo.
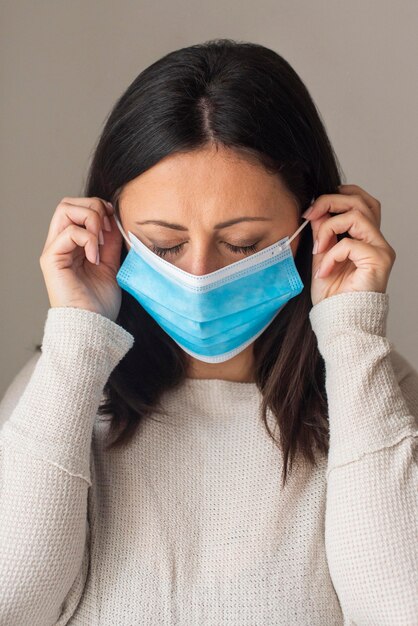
(371, 518)
(45, 443)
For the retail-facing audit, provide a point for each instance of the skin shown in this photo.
(198, 190)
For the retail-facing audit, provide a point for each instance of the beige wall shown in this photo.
(63, 65)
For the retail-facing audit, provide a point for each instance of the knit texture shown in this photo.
(189, 525)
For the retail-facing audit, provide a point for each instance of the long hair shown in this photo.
(246, 97)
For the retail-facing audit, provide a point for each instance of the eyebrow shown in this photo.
(216, 227)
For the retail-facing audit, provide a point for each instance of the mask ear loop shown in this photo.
(295, 234)
(119, 225)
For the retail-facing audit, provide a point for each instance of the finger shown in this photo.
(358, 226)
(363, 255)
(372, 202)
(110, 252)
(316, 224)
(104, 207)
(91, 202)
(66, 213)
(71, 238)
(339, 203)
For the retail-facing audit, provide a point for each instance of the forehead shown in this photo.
(218, 182)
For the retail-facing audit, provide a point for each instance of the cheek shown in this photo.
(294, 245)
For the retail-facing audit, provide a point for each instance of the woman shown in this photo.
(256, 461)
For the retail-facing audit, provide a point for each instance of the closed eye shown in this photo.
(176, 249)
(244, 249)
(164, 251)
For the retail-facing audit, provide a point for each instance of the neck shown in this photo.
(239, 369)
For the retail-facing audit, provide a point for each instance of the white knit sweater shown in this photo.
(190, 525)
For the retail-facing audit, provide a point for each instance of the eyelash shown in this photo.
(176, 249)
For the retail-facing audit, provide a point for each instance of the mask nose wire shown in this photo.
(121, 230)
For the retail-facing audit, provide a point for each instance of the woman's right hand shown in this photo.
(68, 260)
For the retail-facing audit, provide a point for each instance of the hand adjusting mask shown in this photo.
(212, 317)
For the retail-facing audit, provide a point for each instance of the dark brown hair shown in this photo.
(248, 98)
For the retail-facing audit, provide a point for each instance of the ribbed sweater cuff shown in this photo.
(367, 410)
(55, 415)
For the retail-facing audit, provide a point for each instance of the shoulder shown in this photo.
(17, 387)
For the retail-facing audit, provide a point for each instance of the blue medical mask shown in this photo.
(212, 317)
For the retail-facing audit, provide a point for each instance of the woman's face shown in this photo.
(204, 202)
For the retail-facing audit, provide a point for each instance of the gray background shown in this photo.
(64, 64)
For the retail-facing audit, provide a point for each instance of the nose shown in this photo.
(201, 262)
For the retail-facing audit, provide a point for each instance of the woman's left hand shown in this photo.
(360, 263)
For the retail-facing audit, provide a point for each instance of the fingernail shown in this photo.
(109, 205)
(317, 272)
(101, 238)
(315, 248)
(307, 212)
(98, 258)
(107, 225)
